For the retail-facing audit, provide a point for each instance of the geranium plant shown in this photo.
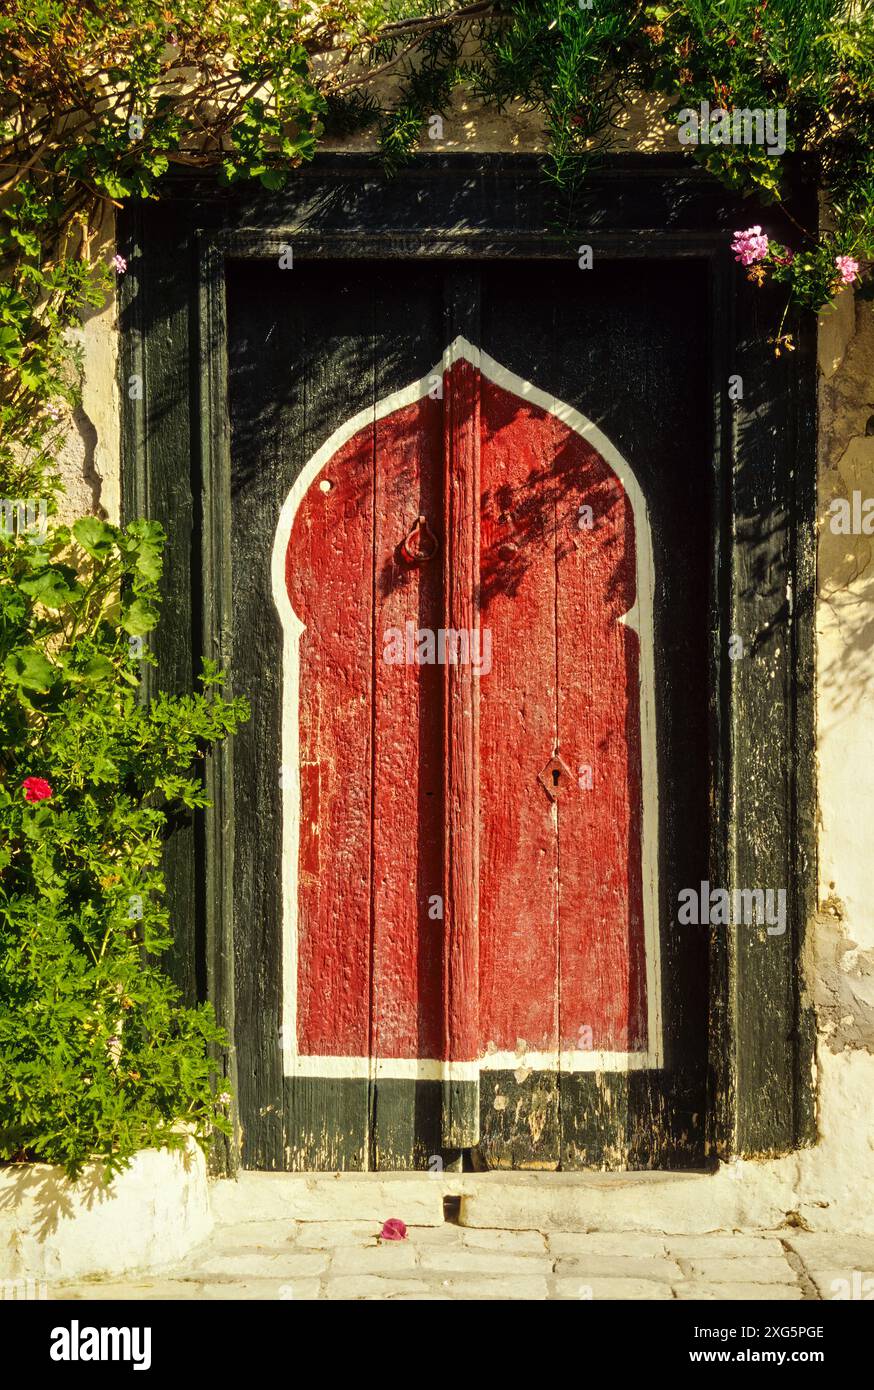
(97, 1054)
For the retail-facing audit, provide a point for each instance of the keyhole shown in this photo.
(556, 773)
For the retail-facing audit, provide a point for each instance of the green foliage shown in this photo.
(97, 1055)
(571, 63)
(815, 59)
(41, 296)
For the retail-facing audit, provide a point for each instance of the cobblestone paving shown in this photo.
(285, 1260)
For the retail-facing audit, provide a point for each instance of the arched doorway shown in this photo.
(470, 810)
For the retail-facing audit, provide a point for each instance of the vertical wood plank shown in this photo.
(159, 482)
(461, 580)
(330, 583)
(772, 846)
(405, 1111)
(408, 763)
(519, 960)
(722, 1014)
(217, 612)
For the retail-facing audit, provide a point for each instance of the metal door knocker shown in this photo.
(428, 544)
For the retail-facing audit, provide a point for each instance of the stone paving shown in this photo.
(283, 1259)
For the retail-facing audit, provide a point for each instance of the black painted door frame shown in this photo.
(307, 351)
(761, 528)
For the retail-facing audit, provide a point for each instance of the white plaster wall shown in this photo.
(151, 1216)
(90, 458)
(843, 967)
(830, 1186)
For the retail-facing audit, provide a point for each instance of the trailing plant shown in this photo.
(812, 59)
(97, 1054)
(99, 101)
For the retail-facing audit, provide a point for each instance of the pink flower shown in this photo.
(224, 1098)
(750, 246)
(54, 412)
(120, 264)
(36, 789)
(786, 259)
(848, 267)
(393, 1229)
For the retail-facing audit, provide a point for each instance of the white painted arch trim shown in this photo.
(639, 618)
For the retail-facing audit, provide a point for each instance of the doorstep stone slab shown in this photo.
(591, 1290)
(622, 1244)
(389, 1259)
(195, 1290)
(417, 1198)
(744, 1270)
(149, 1218)
(352, 1286)
(844, 1252)
(259, 1264)
(724, 1246)
(684, 1203)
(261, 1235)
(329, 1235)
(619, 1267)
(484, 1262)
(759, 1293)
(689, 1203)
(511, 1242)
(135, 1291)
(479, 1288)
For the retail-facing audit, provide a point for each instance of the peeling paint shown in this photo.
(843, 983)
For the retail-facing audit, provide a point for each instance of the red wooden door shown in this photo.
(470, 813)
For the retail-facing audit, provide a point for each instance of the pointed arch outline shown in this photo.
(640, 618)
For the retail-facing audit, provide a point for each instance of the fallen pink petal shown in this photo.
(393, 1229)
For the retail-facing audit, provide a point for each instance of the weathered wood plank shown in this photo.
(771, 565)
(519, 894)
(461, 578)
(217, 636)
(160, 449)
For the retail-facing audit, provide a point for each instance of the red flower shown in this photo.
(393, 1229)
(36, 789)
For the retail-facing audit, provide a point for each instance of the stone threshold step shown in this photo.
(684, 1203)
